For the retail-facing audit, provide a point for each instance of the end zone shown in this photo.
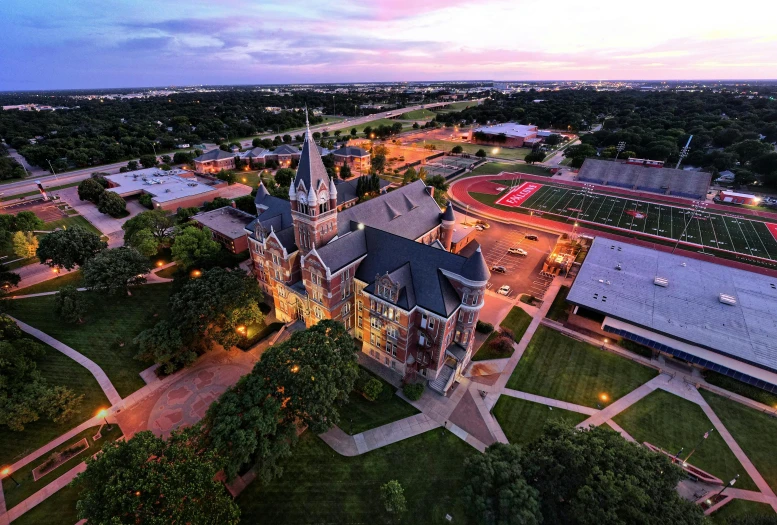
(518, 195)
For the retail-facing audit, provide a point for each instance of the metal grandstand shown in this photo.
(664, 181)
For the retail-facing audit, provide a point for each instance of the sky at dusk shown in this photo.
(53, 44)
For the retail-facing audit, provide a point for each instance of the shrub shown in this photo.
(484, 328)
(506, 332)
(372, 389)
(145, 200)
(502, 345)
(413, 391)
(636, 348)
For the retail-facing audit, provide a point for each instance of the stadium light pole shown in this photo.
(696, 211)
(684, 152)
(588, 191)
(620, 147)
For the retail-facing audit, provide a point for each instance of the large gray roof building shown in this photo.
(718, 317)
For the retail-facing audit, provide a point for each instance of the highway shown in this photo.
(51, 181)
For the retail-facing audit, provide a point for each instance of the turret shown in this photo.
(332, 194)
(447, 227)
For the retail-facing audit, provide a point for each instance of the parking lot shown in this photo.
(522, 273)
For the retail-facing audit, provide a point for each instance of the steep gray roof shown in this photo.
(393, 212)
(285, 149)
(261, 193)
(448, 215)
(276, 217)
(311, 170)
(414, 265)
(346, 189)
(476, 269)
(255, 153)
(351, 151)
(214, 154)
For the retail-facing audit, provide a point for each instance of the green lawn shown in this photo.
(502, 153)
(522, 421)
(58, 369)
(418, 114)
(754, 431)
(106, 337)
(75, 278)
(57, 509)
(27, 484)
(249, 178)
(69, 222)
(493, 168)
(559, 367)
(361, 414)
(320, 486)
(558, 310)
(671, 422)
(516, 321)
(739, 508)
(456, 106)
(738, 387)
(373, 124)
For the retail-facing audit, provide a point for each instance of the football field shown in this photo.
(730, 232)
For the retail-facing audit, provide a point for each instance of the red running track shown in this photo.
(459, 191)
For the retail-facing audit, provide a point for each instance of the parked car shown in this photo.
(504, 290)
(532, 238)
(499, 269)
(518, 251)
(484, 224)
(479, 228)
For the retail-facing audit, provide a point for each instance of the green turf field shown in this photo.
(715, 230)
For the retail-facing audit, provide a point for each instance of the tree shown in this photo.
(69, 248)
(114, 271)
(534, 156)
(193, 244)
(27, 221)
(440, 186)
(284, 176)
(750, 149)
(132, 165)
(410, 176)
(481, 153)
(148, 161)
(90, 190)
(242, 428)
(25, 244)
(215, 204)
(163, 344)
(765, 164)
(497, 492)
(112, 204)
(214, 306)
(71, 305)
(25, 395)
(313, 371)
(372, 389)
(8, 278)
(345, 172)
(457, 149)
(157, 223)
(393, 497)
(378, 163)
(594, 476)
(553, 139)
(151, 480)
(354, 132)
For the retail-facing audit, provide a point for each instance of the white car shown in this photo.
(504, 290)
(518, 251)
(479, 228)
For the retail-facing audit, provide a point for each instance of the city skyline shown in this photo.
(139, 43)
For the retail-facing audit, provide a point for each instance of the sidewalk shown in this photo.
(105, 383)
(364, 442)
(59, 483)
(615, 408)
(549, 402)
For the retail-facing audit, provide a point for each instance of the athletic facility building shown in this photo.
(642, 177)
(713, 316)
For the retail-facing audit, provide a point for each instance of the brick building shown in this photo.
(356, 158)
(382, 267)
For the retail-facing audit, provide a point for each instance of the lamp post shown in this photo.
(104, 414)
(700, 443)
(696, 210)
(730, 484)
(6, 472)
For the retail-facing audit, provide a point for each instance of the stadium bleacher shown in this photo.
(664, 181)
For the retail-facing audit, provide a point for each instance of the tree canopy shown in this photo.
(116, 270)
(69, 248)
(151, 480)
(148, 230)
(193, 244)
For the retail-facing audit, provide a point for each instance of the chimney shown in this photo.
(430, 190)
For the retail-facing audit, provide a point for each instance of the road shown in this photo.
(49, 181)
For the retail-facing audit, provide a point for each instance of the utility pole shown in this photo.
(52, 170)
(620, 147)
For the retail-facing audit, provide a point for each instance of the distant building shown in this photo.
(734, 197)
(709, 315)
(356, 158)
(228, 225)
(169, 190)
(509, 135)
(214, 161)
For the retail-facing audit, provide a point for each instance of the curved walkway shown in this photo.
(105, 383)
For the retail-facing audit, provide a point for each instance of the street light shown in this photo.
(700, 443)
(104, 414)
(620, 147)
(730, 484)
(6, 472)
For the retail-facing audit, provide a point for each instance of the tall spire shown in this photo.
(307, 123)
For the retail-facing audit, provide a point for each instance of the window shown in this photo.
(474, 299)
(424, 321)
(388, 361)
(374, 322)
(431, 323)
(277, 274)
(346, 308)
(457, 338)
(392, 331)
(319, 313)
(461, 315)
(464, 298)
(281, 291)
(372, 339)
(471, 316)
(347, 273)
(465, 338)
(276, 259)
(359, 303)
(421, 340)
